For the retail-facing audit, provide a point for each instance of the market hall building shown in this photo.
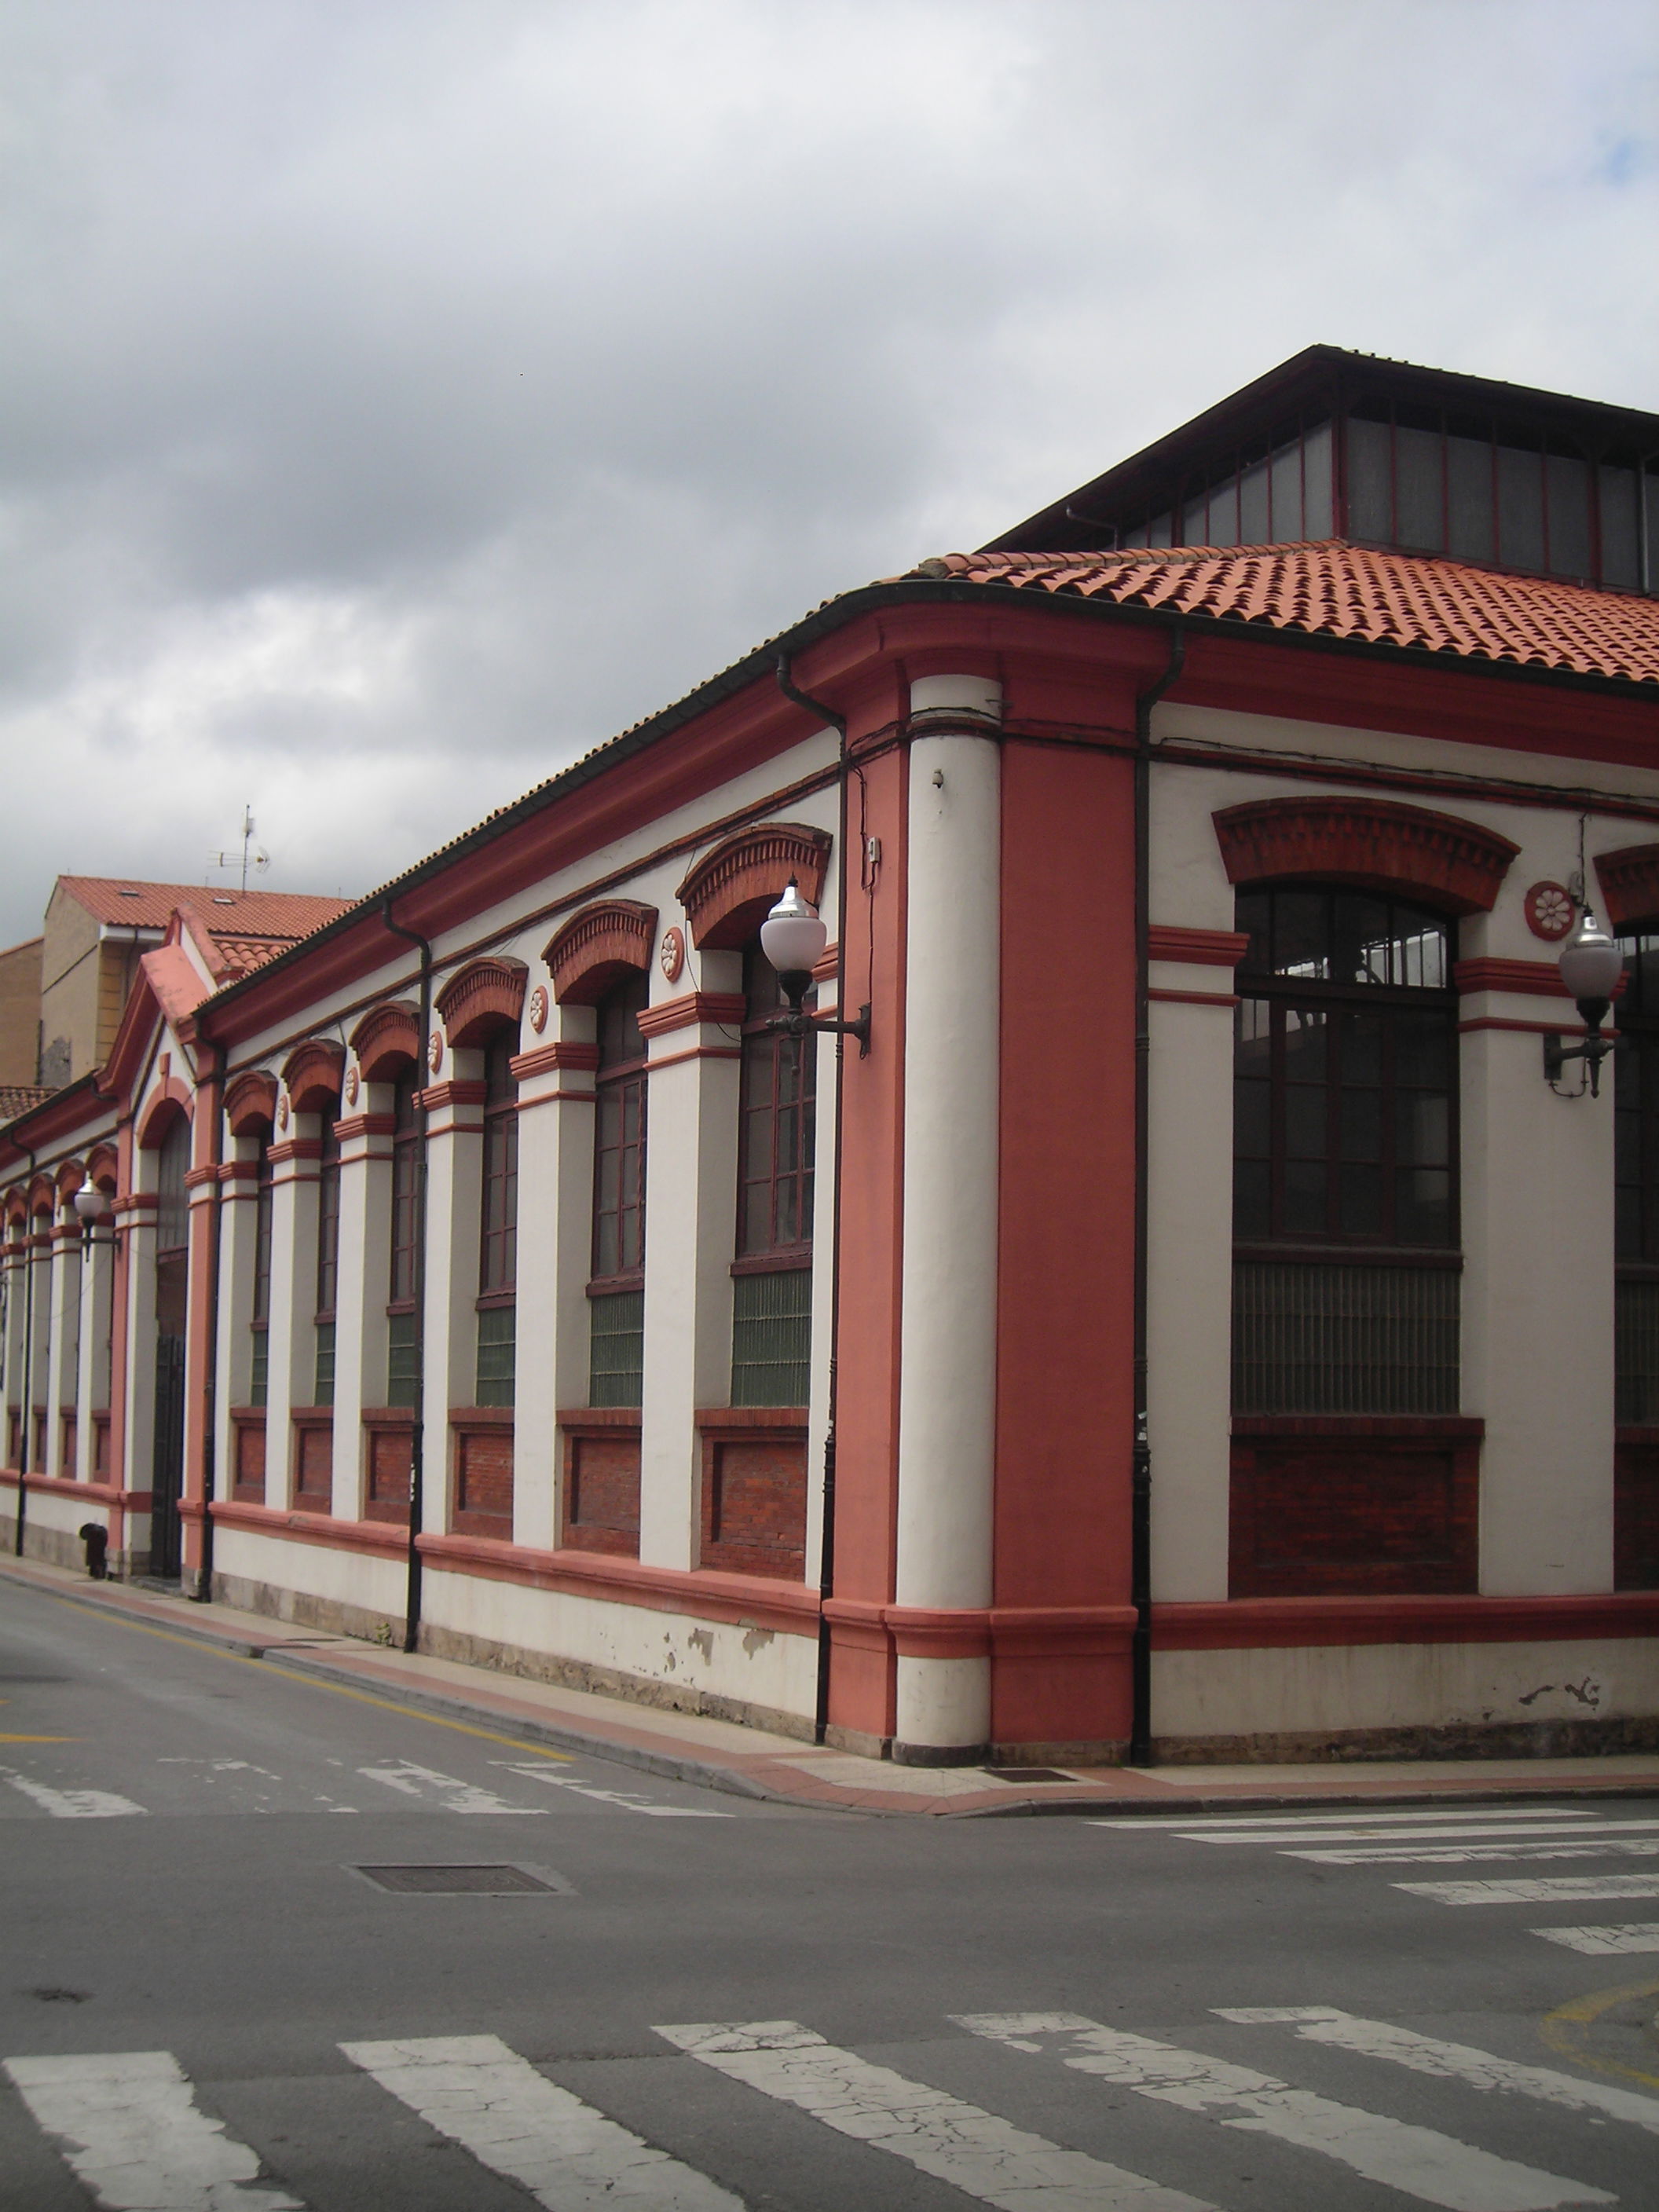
(1175, 1312)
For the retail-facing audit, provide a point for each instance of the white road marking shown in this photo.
(1444, 1833)
(1606, 1942)
(1451, 2062)
(1605, 1847)
(73, 1804)
(628, 1800)
(445, 1791)
(516, 2122)
(985, 2158)
(128, 2124)
(1202, 1824)
(1563, 1889)
(1417, 2162)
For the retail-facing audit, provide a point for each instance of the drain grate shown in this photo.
(1028, 1774)
(462, 1880)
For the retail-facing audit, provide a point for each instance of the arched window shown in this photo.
(772, 1301)
(498, 1226)
(404, 1283)
(172, 1287)
(260, 1321)
(1345, 1190)
(328, 1260)
(617, 1290)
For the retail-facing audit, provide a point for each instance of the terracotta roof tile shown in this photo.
(284, 915)
(17, 1098)
(1336, 590)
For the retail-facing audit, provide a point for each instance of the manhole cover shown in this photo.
(1028, 1774)
(462, 1880)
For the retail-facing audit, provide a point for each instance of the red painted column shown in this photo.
(1065, 1373)
(861, 1686)
(202, 1184)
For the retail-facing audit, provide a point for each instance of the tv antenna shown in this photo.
(251, 856)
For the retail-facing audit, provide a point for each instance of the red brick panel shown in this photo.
(391, 1461)
(314, 1462)
(1636, 1510)
(1363, 1510)
(71, 1426)
(484, 1480)
(754, 1505)
(247, 1472)
(602, 1495)
(100, 1446)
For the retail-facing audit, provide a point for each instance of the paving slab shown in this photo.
(755, 1763)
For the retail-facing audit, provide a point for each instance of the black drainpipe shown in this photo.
(203, 1593)
(417, 1441)
(1140, 1474)
(827, 1540)
(26, 1427)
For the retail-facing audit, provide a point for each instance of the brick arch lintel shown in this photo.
(725, 894)
(1375, 844)
(481, 997)
(43, 1197)
(170, 1098)
(251, 1103)
(17, 1205)
(1630, 884)
(387, 1041)
(598, 948)
(311, 1075)
(104, 1167)
(68, 1178)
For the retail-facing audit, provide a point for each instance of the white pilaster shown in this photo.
(92, 1366)
(455, 1156)
(1538, 1306)
(65, 1351)
(363, 1284)
(291, 1342)
(555, 1233)
(238, 1241)
(948, 1332)
(690, 1236)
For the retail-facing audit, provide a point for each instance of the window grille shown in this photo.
(323, 1387)
(402, 1379)
(496, 1346)
(1311, 1339)
(259, 1323)
(771, 1337)
(615, 1369)
(1636, 1353)
(328, 1261)
(777, 1126)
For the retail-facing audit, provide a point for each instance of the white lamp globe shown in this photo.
(1591, 963)
(89, 1202)
(793, 936)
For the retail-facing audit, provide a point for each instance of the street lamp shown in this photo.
(792, 937)
(89, 1204)
(1591, 964)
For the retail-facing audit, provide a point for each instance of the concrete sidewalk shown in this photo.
(752, 1763)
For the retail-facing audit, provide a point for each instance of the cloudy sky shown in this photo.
(399, 397)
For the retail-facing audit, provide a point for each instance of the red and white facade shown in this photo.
(1060, 784)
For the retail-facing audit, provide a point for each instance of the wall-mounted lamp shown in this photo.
(792, 937)
(90, 1204)
(1591, 964)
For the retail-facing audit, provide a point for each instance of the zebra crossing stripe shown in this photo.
(129, 2126)
(1446, 1831)
(484, 2096)
(447, 1792)
(73, 1804)
(1417, 2162)
(1560, 1889)
(1606, 1942)
(985, 2158)
(1604, 1847)
(1450, 2062)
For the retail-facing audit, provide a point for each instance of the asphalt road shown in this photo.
(694, 2002)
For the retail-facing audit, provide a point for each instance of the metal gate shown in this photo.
(168, 1468)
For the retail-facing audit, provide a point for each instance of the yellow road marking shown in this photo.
(339, 1689)
(42, 1739)
(1567, 2029)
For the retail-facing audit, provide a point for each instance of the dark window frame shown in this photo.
(773, 1066)
(621, 1142)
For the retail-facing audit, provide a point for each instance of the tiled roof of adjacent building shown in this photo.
(258, 914)
(17, 1098)
(1337, 590)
